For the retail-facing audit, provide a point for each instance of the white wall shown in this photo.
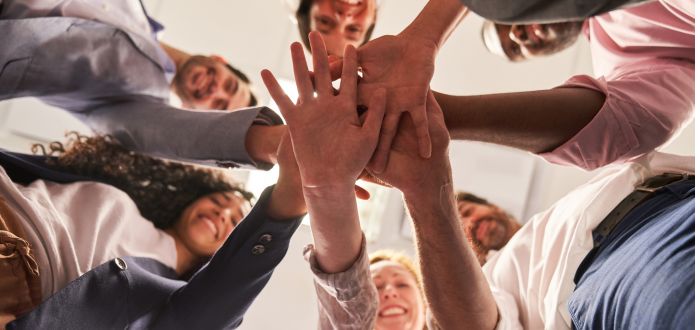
(255, 34)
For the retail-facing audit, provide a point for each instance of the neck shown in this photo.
(186, 260)
(178, 56)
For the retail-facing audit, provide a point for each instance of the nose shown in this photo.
(389, 292)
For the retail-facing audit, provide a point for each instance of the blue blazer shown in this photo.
(142, 293)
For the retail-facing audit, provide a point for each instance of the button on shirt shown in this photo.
(532, 277)
(644, 62)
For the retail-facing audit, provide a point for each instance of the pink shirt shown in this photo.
(644, 58)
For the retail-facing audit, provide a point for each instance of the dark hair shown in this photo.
(161, 189)
(303, 16)
(468, 197)
(253, 100)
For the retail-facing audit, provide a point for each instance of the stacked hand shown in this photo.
(402, 65)
(331, 144)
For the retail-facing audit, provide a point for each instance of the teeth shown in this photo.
(211, 225)
(393, 311)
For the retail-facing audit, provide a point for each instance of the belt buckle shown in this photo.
(655, 183)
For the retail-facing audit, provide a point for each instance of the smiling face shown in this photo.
(206, 223)
(207, 83)
(400, 300)
(342, 22)
(522, 42)
(487, 227)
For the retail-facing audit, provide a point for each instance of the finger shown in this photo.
(335, 67)
(381, 154)
(348, 82)
(434, 106)
(301, 73)
(419, 116)
(361, 193)
(369, 177)
(322, 77)
(373, 122)
(277, 93)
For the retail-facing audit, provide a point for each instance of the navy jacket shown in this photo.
(143, 293)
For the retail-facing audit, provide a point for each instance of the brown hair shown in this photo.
(161, 189)
(303, 16)
(468, 197)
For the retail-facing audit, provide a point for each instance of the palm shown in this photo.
(330, 144)
(402, 66)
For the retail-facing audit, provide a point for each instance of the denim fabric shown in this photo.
(642, 276)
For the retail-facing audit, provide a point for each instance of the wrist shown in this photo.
(436, 21)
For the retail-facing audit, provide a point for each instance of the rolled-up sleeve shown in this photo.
(346, 300)
(213, 138)
(645, 106)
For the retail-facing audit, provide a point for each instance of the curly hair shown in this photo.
(161, 189)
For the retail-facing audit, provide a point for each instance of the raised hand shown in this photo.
(330, 143)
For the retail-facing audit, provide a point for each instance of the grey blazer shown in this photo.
(113, 81)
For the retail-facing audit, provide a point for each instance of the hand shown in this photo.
(411, 173)
(403, 65)
(330, 143)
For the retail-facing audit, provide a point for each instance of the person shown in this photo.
(565, 125)
(132, 105)
(209, 82)
(401, 299)
(488, 227)
(340, 22)
(101, 263)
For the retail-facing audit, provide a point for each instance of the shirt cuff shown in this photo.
(345, 285)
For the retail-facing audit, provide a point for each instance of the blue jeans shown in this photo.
(642, 276)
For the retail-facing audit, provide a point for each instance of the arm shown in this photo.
(453, 282)
(587, 122)
(236, 274)
(348, 299)
(326, 127)
(212, 138)
(537, 121)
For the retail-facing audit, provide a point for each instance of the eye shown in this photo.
(215, 201)
(354, 28)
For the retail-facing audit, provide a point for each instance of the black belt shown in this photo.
(639, 195)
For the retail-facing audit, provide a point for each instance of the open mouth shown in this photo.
(393, 311)
(210, 224)
(351, 2)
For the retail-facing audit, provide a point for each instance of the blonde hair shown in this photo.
(397, 257)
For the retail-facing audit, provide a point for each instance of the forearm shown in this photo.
(261, 142)
(437, 20)
(455, 288)
(537, 121)
(335, 226)
(287, 198)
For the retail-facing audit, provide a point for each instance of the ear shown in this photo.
(218, 58)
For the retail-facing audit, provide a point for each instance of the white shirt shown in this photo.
(73, 228)
(532, 276)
